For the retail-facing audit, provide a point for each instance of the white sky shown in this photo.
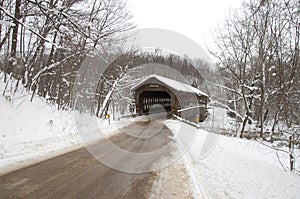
(195, 19)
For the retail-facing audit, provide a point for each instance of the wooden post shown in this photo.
(108, 117)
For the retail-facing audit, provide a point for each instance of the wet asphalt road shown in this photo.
(78, 174)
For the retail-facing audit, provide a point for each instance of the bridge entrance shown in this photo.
(150, 99)
(158, 93)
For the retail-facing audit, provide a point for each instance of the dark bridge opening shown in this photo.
(149, 99)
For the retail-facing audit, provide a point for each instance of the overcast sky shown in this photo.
(195, 19)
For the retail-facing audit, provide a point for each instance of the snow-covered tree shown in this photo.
(43, 43)
(259, 60)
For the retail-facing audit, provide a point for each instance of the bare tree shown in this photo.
(259, 57)
(52, 38)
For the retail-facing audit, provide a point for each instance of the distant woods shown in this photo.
(125, 71)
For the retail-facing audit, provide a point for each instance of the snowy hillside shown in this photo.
(33, 131)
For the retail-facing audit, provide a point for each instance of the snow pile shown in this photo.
(236, 168)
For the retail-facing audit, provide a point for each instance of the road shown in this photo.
(79, 174)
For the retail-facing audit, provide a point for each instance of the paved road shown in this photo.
(79, 175)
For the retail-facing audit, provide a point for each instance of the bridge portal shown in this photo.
(175, 97)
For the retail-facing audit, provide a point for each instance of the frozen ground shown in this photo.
(234, 168)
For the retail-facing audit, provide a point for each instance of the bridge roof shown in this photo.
(173, 84)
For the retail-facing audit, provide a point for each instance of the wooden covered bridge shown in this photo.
(176, 97)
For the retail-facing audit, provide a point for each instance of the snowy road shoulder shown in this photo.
(24, 153)
(235, 168)
(35, 131)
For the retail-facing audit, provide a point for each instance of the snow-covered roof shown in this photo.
(173, 84)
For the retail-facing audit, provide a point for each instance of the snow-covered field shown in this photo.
(235, 168)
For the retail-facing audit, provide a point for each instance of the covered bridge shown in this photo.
(176, 97)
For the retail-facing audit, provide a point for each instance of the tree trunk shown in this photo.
(244, 125)
(14, 40)
(273, 126)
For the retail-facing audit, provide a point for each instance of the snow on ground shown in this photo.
(219, 121)
(235, 168)
(34, 131)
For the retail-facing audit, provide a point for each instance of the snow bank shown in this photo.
(236, 168)
(34, 131)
